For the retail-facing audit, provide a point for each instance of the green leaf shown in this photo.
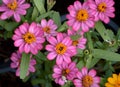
(41, 56)
(40, 6)
(63, 27)
(107, 55)
(38, 81)
(56, 17)
(11, 26)
(35, 13)
(102, 31)
(80, 64)
(24, 65)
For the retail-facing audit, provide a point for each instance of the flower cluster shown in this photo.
(41, 37)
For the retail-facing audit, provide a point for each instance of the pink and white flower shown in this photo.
(13, 8)
(64, 72)
(87, 78)
(49, 28)
(102, 9)
(16, 60)
(60, 48)
(29, 38)
(78, 39)
(80, 17)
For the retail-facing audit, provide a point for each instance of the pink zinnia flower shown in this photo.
(102, 9)
(64, 72)
(28, 38)
(13, 8)
(16, 60)
(60, 48)
(87, 79)
(49, 28)
(80, 17)
(78, 39)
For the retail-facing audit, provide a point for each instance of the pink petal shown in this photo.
(59, 59)
(90, 23)
(54, 75)
(13, 65)
(77, 5)
(59, 37)
(50, 22)
(22, 29)
(85, 27)
(61, 82)
(52, 41)
(57, 70)
(72, 65)
(92, 73)
(84, 71)
(49, 47)
(17, 17)
(79, 75)
(31, 68)
(70, 22)
(95, 85)
(24, 6)
(106, 20)
(21, 11)
(67, 59)
(21, 48)
(27, 48)
(32, 62)
(77, 83)
(21, 1)
(16, 37)
(76, 26)
(3, 8)
(6, 1)
(18, 42)
(43, 23)
(67, 41)
(6, 15)
(96, 79)
(18, 72)
(32, 27)
(51, 55)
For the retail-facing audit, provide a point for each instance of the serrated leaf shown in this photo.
(107, 55)
(24, 65)
(40, 6)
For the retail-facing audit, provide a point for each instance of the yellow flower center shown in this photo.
(65, 72)
(82, 15)
(75, 43)
(29, 38)
(61, 48)
(102, 7)
(87, 81)
(12, 5)
(46, 29)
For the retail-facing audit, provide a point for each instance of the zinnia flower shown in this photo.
(102, 9)
(16, 60)
(87, 79)
(60, 48)
(28, 38)
(78, 40)
(13, 8)
(64, 72)
(113, 81)
(49, 28)
(80, 17)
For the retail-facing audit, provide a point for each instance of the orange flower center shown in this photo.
(87, 81)
(102, 7)
(65, 72)
(82, 15)
(75, 43)
(46, 29)
(12, 5)
(29, 38)
(61, 48)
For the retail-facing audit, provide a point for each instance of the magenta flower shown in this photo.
(87, 79)
(49, 28)
(13, 8)
(60, 48)
(102, 9)
(16, 60)
(79, 40)
(80, 17)
(64, 72)
(28, 38)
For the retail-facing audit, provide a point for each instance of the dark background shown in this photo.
(9, 79)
